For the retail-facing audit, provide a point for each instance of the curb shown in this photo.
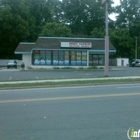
(69, 85)
(69, 80)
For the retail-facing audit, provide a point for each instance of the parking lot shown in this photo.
(18, 74)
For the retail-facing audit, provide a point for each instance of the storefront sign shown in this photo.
(76, 44)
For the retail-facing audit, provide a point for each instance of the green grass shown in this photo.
(71, 83)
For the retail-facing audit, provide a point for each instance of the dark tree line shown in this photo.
(25, 20)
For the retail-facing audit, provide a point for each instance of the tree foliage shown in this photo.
(123, 42)
(128, 13)
(25, 20)
(128, 18)
(97, 33)
(56, 30)
(16, 24)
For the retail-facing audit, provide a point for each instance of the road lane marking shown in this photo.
(69, 98)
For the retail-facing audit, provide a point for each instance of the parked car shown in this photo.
(135, 63)
(132, 64)
(11, 64)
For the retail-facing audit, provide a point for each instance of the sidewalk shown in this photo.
(69, 80)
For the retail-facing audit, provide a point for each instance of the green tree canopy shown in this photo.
(128, 14)
(84, 15)
(56, 30)
(16, 24)
(123, 43)
(25, 20)
(97, 33)
(44, 11)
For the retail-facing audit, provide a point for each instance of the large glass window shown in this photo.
(79, 56)
(95, 60)
(48, 57)
(55, 57)
(66, 58)
(84, 58)
(42, 57)
(73, 58)
(101, 60)
(61, 57)
(36, 57)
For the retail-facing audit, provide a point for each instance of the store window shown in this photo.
(55, 57)
(36, 57)
(66, 58)
(73, 58)
(84, 58)
(79, 57)
(42, 57)
(61, 57)
(48, 57)
(95, 60)
(101, 60)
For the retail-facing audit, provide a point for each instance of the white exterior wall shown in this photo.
(26, 58)
(122, 61)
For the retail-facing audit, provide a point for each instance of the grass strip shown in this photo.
(69, 83)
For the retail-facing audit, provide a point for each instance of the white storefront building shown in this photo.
(49, 52)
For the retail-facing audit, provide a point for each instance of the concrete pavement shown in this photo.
(72, 113)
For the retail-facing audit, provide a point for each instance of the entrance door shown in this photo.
(122, 62)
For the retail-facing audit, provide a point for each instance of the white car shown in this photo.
(137, 63)
(11, 63)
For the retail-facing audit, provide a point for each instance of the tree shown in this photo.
(128, 13)
(123, 43)
(44, 11)
(128, 19)
(56, 30)
(83, 15)
(16, 24)
(97, 33)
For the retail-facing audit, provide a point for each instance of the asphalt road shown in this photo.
(70, 113)
(17, 74)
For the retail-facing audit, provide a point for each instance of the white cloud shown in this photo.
(116, 2)
(113, 16)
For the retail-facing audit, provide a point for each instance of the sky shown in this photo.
(116, 2)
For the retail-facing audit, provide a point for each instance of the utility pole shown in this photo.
(106, 39)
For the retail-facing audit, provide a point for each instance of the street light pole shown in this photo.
(106, 40)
